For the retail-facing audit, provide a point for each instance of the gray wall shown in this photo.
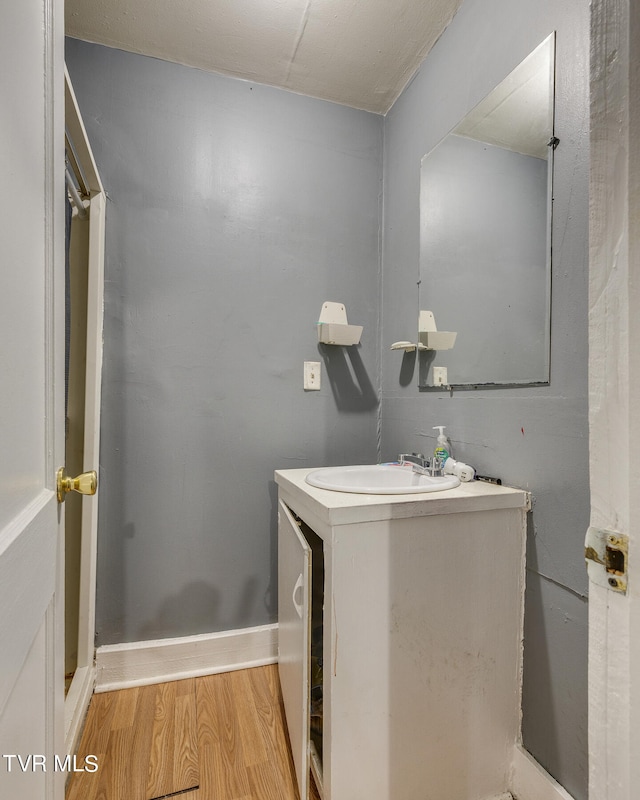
(234, 211)
(536, 438)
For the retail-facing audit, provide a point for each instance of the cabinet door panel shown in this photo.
(294, 627)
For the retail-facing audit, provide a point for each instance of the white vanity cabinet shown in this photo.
(421, 637)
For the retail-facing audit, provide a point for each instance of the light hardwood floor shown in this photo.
(221, 737)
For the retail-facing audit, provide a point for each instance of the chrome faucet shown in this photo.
(423, 466)
(435, 469)
(413, 458)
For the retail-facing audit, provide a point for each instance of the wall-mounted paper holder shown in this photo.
(333, 327)
(430, 336)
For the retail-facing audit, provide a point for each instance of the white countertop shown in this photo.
(345, 508)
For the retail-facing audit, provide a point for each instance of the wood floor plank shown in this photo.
(98, 724)
(207, 770)
(229, 773)
(141, 743)
(120, 782)
(159, 773)
(84, 785)
(185, 757)
(94, 741)
(207, 723)
(253, 746)
(271, 719)
(230, 780)
(267, 784)
(262, 688)
(173, 759)
(125, 708)
(270, 677)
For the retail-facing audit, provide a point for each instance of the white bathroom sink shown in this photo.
(378, 479)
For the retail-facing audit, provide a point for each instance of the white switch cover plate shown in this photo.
(311, 376)
(440, 376)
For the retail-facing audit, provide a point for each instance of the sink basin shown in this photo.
(378, 479)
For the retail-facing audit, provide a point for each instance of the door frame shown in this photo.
(82, 685)
(614, 392)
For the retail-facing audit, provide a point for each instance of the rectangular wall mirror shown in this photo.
(485, 233)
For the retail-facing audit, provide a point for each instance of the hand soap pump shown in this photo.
(443, 448)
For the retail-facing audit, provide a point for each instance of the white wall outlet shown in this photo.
(440, 376)
(312, 376)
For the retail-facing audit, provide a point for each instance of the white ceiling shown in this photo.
(360, 53)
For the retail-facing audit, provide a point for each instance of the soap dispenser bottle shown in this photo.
(443, 448)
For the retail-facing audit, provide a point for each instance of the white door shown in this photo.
(31, 397)
(294, 644)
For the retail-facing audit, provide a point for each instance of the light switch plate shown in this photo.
(312, 376)
(440, 376)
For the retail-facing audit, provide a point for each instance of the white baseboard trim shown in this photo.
(121, 666)
(530, 781)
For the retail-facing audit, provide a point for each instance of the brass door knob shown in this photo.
(86, 483)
